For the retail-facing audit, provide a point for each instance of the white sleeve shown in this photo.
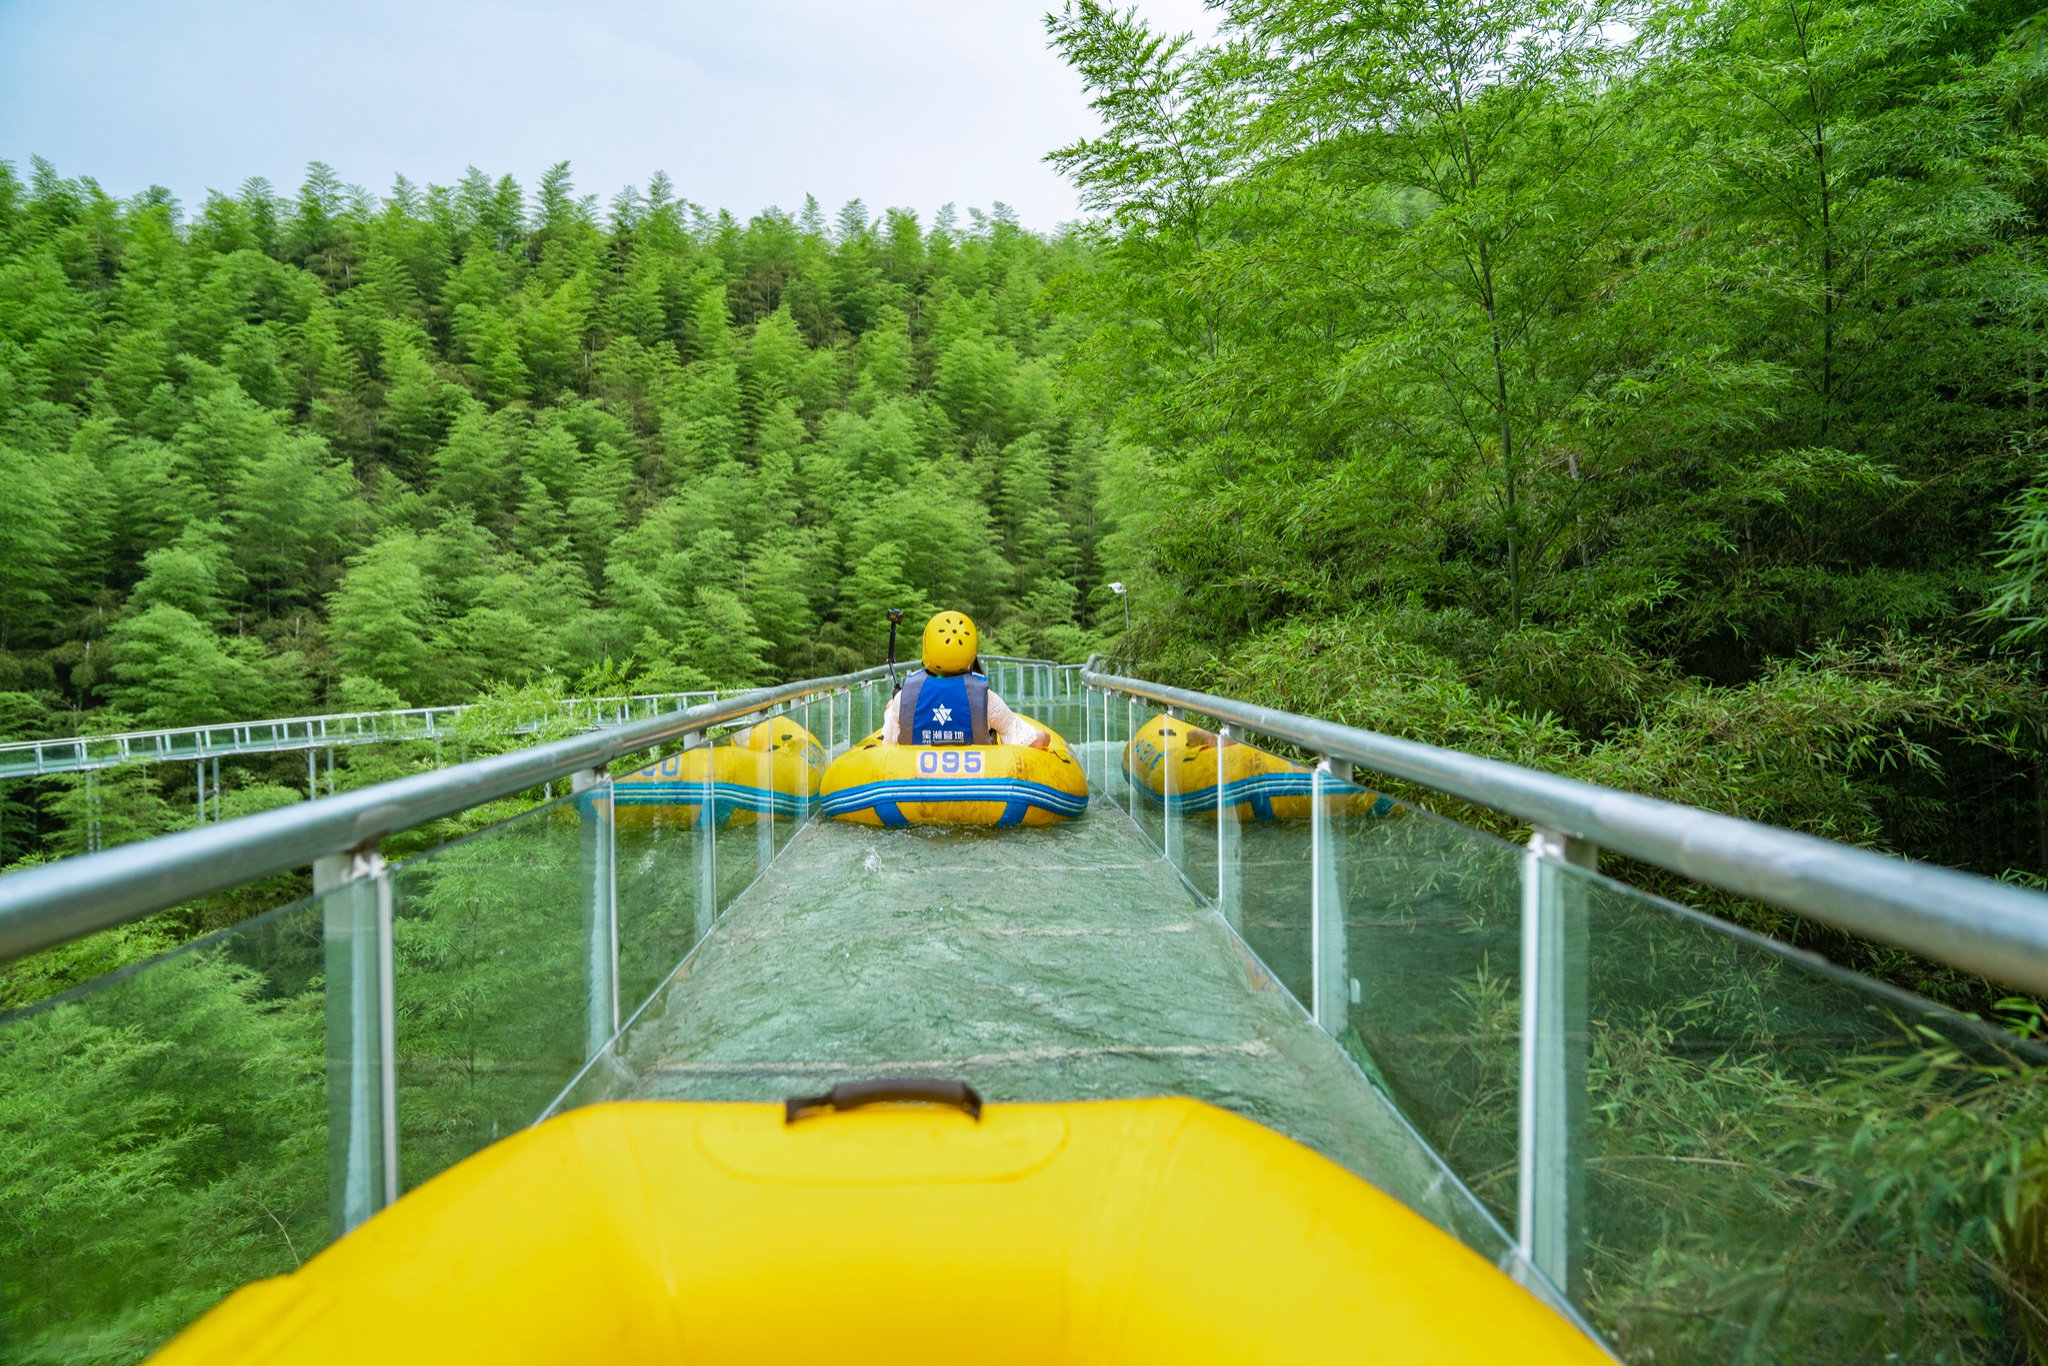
(890, 730)
(1009, 727)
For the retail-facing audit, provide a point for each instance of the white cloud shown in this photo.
(900, 102)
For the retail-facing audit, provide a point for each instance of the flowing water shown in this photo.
(1062, 962)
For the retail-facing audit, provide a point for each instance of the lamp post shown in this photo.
(1123, 593)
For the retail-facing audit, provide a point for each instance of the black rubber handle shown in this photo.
(849, 1095)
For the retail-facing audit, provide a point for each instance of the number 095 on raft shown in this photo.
(878, 784)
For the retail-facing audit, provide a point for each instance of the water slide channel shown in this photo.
(1055, 962)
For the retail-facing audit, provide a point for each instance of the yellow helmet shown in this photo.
(950, 644)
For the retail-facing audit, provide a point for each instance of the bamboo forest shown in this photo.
(1654, 394)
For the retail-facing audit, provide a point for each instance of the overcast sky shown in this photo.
(745, 103)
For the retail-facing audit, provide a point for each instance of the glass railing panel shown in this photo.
(1095, 729)
(743, 836)
(853, 708)
(164, 1138)
(1768, 1159)
(504, 963)
(1145, 770)
(1421, 972)
(1066, 718)
(812, 714)
(879, 695)
(662, 907)
(851, 722)
(773, 785)
(1273, 890)
(1186, 778)
(820, 718)
(1263, 886)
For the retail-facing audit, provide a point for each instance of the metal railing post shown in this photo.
(387, 1027)
(1172, 839)
(362, 1044)
(1112, 756)
(592, 789)
(803, 774)
(1091, 748)
(1130, 781)
(1550, 1196)
(92, 811)
(1331, 960)
(764, 821)
(1229, 847)
(707, 856)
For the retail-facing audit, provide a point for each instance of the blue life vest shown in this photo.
(944, 709)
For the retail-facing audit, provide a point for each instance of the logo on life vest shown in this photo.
(942, 713)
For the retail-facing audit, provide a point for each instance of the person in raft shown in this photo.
(947, 702)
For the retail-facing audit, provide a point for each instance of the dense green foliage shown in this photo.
(338, 452)
(1635, 390)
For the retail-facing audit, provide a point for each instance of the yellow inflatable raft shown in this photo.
(878, 784)
(766, 771)
(1260, 786)
(1135, 1231)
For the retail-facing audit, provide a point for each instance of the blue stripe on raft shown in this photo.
(1258, 786)
(891, 815)
(987, 790)
(1017, 792)
(1258, 790)
(1013, 814)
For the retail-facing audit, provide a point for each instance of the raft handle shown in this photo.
(850, 1095)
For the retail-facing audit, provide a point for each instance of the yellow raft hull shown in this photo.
(767, 772)
(878, 784)
(1172, 764)
(1140, 1231)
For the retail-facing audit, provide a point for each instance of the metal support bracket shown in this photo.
(362, 1034)
(1331, 984)
(1229, 855)
(1172, 806)
(592, 790)
(1550, 1196)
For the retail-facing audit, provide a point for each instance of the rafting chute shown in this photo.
(1133, 1231)
(769, 771)
(876, 783)
(1173, 764)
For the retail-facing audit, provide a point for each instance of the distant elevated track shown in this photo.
(195, 744)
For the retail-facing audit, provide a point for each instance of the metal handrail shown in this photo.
(1992, 928)
(54, 903)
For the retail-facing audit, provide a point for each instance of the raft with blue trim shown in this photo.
(770, 771)
(1258, 785)
(1143, 1232)
(880, 784)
